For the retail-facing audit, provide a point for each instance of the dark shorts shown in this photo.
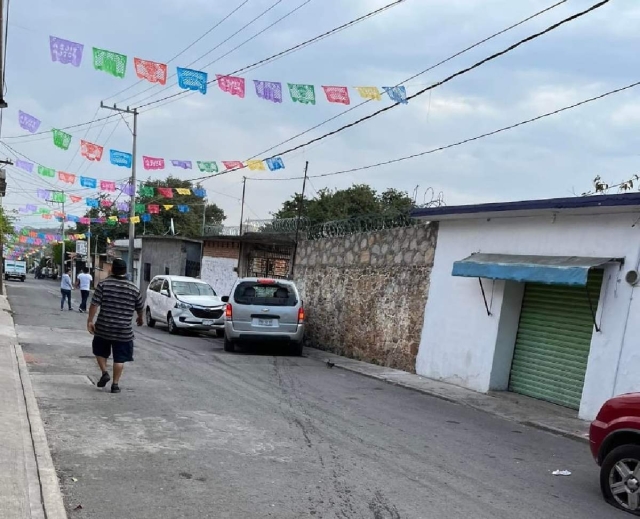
(122, 350)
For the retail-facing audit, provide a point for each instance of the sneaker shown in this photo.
(103, 380)
(115, 388)
(80, 310)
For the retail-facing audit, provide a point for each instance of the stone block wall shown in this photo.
(365, 294)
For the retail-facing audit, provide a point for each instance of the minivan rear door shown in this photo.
(265, 306)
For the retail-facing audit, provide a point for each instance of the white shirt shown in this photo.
(65, 282)
(85, 281)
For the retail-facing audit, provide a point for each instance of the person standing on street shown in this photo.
(117, 299)
(84, 284)
(65, 289)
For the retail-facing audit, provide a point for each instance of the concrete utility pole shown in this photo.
(3, 103)
(132, 204)
(300, 208)
(3, 191)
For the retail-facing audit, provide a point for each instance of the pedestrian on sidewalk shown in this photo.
(65, 289)
(84, 284)
(117, 299)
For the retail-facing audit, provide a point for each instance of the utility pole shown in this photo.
(300, 207)
(132, 203)
(3, 185)
(239, 269)
(244, 189)
(3, 103)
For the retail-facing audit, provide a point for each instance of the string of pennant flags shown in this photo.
(109, 186)
(94, 152)
(70, 53)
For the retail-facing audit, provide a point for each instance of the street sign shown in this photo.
(81, 248)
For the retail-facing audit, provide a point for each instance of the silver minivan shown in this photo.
(264, 310)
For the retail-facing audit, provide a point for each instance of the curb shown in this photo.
(49, 485)
(528, 423)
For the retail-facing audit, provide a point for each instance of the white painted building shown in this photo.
(533, 297)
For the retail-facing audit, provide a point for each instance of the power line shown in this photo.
(186, 48)
(459, 143)
(237, 46)
(434, 85)
(79, 125)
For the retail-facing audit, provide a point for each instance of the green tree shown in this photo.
(357, 200)
(69, 246)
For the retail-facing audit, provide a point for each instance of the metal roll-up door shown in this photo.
(553, 341)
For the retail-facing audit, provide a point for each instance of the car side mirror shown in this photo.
(224, 299)
(164, 293)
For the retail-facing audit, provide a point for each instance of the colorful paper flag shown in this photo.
(28, 122)
(31, 208)
(23, 164)
(67, 178)
(113, 218)
(151, 71)
(46, 172)
(256, 165)
(233, 85)
(152, 162)
(85, 221)
(110, 62)
(192, 80)
(89, 182)
(106, 185)
(147, 191)
(233, 164)
(92, 202)
(397, 94)
(208, 166)
(183, 191)
(65, 51)
(135, 219)
(337, 94)
(127, 189)
(153, 209)
(167, 207)
(183, 208)
(106, 203)
(184, 164)
(146, 217)
(269, 90)
(57, 196)
(75, 199)
(122, 206)
(275, 163)
(61, 139)
(43, 194)
(165, 192)
(120, 158)
(91, 151)
(140, 208)
(371, 93)
(199, 192)
(304, 94)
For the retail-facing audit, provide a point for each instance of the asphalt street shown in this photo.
(197, 432)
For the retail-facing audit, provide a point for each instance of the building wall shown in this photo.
(462, 345)
(162, 254)
(365, 294)
(218, 265)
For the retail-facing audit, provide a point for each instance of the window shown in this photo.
(166, 271)
(165, 286)
(186, 288)
(147, 271)
(265, 294)
(155, 285)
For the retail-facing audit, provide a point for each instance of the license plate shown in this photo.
(265, 322)
(207, 323)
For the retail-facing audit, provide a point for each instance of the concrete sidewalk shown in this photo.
(28, 482)
(510, 406)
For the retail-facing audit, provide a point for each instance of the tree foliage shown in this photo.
(188, 224)
(339, 204)
(69, 246)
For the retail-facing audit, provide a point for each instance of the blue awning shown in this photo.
(551, 270)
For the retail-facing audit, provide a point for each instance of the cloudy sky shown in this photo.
(554, 157)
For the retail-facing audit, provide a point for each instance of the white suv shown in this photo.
(184, 303)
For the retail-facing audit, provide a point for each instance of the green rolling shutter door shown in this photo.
(553, 341)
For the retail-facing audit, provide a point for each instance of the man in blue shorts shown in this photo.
(117, 299)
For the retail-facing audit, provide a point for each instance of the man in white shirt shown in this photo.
(84, 283)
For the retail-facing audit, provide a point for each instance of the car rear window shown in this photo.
(264, 294)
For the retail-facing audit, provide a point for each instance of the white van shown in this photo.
(184, 303)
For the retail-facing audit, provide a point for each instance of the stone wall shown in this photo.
(365, 294)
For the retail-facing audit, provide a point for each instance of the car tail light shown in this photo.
(228, 311)
(266, 281)
(300, 315)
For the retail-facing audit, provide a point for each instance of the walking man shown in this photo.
(84, 284)
(117, 299)
(65, 289)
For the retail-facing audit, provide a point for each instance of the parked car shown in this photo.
(615, 444)
(184, 303)
(264, 310)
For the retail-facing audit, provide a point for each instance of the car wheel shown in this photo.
(296, 349)
(151, 322)
(620, 478)
(220, 334)
(228, 345)
(173, 329)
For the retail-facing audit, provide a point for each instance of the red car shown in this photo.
(615, 444)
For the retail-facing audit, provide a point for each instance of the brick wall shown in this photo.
(222, 249)
(365, 294)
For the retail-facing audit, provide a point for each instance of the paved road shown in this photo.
(198, 433)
